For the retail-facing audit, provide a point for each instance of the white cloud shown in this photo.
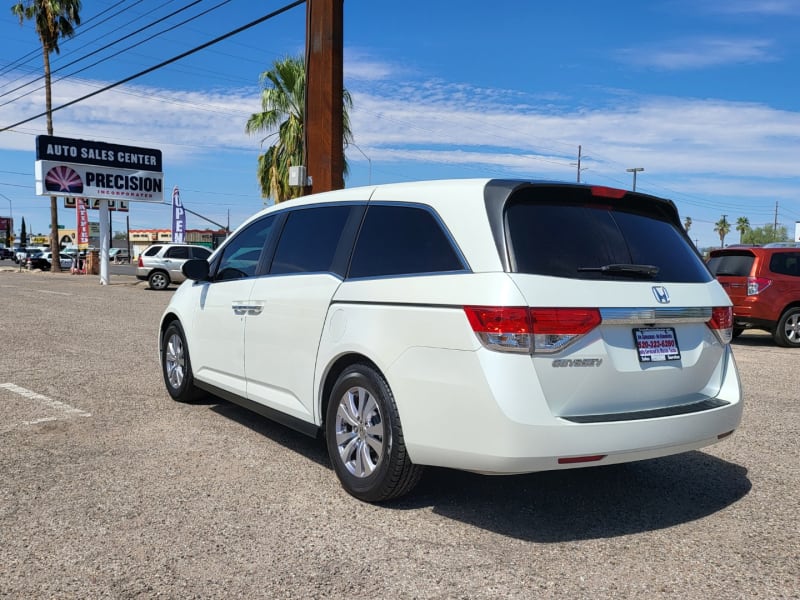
(699, 54)
(687, 146)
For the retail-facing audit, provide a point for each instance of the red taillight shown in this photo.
(141, 264)
(502, 319)
(756, 285)
(560, 321)
(504, 328)
(521, 329)
(721, 323)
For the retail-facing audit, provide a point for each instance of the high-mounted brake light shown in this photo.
(607, 192)
(721, 323)
(525, 330)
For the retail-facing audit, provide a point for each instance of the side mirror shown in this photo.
(195, 269)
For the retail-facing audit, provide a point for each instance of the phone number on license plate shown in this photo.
(656, 344)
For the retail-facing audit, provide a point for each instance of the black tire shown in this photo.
(158, 280)
(176, 367)
(365, 439)
(787, 333)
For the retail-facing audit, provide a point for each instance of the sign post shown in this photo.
(98, 171)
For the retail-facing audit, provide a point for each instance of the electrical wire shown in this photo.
(109, 45)
(82, 29)
(163, 64)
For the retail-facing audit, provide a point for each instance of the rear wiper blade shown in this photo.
(623, 269)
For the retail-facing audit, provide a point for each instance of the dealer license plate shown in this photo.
(656, 344)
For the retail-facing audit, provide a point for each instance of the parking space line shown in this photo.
(62, 407)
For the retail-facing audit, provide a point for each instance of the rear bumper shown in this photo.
(494, 427)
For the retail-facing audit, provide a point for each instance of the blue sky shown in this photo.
(702, 95)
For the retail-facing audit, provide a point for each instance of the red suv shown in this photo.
(764, 286)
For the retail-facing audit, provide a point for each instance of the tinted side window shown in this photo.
(200, 252)
(241, 254)
(786, 263)
(402, 240)
(310, 239)
(577, 240)
(152, 250)
(177, 252)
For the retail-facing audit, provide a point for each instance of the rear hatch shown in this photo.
(627, 321)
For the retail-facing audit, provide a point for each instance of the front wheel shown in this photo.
(158, 280)
(176, 366)
(787, 333)
(365, 439)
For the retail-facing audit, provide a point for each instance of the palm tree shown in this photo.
(687, 224)
(742, 226)
(283, 115)
(54, 19)
(723, 228)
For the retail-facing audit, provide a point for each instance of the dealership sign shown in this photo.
(87, 169)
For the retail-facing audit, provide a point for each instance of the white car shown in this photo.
(493, 326)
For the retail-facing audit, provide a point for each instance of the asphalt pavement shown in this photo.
(108, 489)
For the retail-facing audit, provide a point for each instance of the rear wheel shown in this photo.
(787, 333)
(365, 439)
(158, 280)
(176, 366)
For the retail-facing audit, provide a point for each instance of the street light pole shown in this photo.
(635, 170)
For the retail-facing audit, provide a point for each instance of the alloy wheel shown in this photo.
(359, 432)
(175, 361)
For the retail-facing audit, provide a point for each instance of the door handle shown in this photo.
(247, 309)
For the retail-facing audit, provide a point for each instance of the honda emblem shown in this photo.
(660, 292)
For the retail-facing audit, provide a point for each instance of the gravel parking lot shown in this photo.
(108, 489)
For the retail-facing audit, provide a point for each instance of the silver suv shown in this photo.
(161, 264)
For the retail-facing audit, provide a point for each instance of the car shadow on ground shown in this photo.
(590, 503)
(758, 339)
(554, 506)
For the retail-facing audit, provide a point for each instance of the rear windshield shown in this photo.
(731, 264)
(590, 239)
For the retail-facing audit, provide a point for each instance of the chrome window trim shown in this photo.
(637, 316)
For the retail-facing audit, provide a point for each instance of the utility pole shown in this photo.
(579, 163)
(775, 225)
(324, 126)
(635, 170)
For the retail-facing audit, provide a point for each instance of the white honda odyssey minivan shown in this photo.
(495, 326)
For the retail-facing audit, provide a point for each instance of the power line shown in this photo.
(82, 29)
(162, 64)
(115, 42)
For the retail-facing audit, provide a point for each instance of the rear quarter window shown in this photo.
(563, 237)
